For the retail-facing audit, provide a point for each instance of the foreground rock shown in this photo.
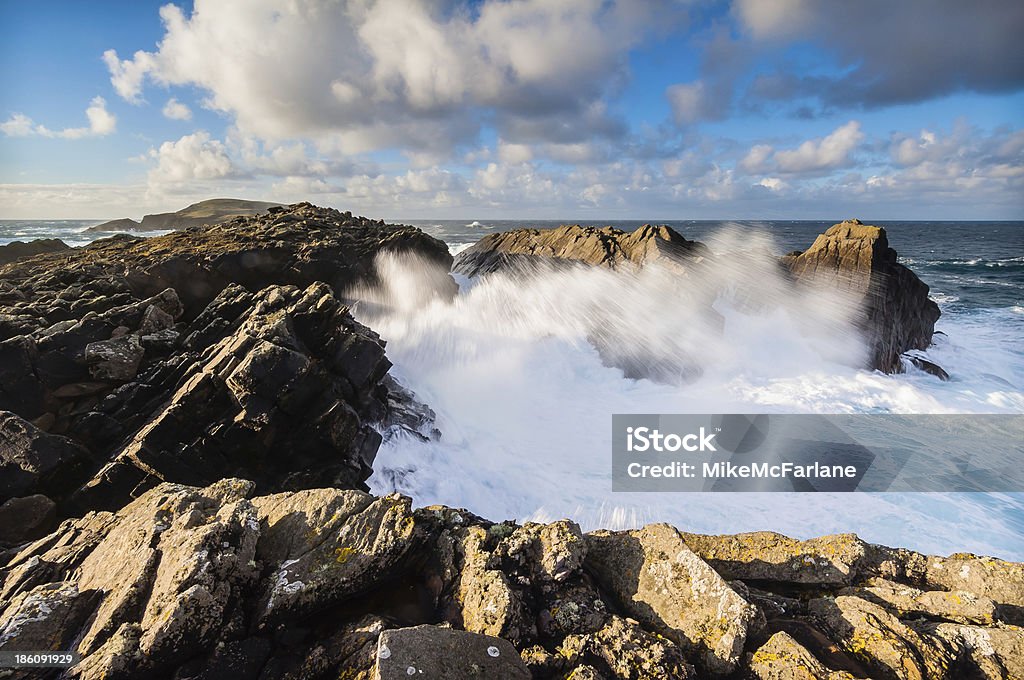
(218, 582)
(212, 211)
(209, 353)
(897, 314)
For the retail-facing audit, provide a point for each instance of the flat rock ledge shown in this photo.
(218, 582)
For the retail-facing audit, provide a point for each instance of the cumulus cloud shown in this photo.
(192, 157)
(101, 123)
(369, 74)
(822, 154)
(175, 110)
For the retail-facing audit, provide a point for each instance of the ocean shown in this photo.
(524, 401)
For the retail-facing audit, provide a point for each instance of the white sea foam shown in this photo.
(524, 400)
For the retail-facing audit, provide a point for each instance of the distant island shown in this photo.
(212, 211)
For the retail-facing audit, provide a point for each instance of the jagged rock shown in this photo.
(115, 359)
(783, 658)
(626, 651)
(340, 554)
(907, 601)
(445, 654)
(897, 314)
(664, 584)
(992, 653)
(890, 647)
(489, 604)
(768, 556)
(987, 577)
(192, 356)
(295, 362)
(33, 461)
(26, 518)
(18, 249)
(212, 583)
(604, 247)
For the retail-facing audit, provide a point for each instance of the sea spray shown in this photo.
(524, 397)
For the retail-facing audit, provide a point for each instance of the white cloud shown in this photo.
(826, 153)
(757, 158)
(18, 125)
(101, 123)
(416, 74)
(193, 157)
(175, 110)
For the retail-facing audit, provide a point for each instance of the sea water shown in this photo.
(524, 400)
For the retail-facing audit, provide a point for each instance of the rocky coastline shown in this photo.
(187, 423)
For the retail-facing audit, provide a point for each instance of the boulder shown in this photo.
(896, 314)
(664, 584)
(889, 646)
(445, 654)
(33, 461)
(783, 658)
(768, 556)
(26, 518)
(909, 602)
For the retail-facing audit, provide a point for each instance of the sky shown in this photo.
(489, 109)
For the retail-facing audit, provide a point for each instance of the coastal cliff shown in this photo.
(187, 423)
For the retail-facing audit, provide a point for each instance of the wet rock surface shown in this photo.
(221, 582)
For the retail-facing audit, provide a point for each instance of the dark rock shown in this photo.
(32, 461)
(191, 357)
(896, 313)
(16, 250)
(295, 362)
(117, 359)
(26, 518)
(927, 366)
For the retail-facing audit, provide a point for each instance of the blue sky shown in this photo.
(646, 109)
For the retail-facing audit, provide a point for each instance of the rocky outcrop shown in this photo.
(212, 211)
(896, 312)
(218, 582)
(603, 247)
(214, 352)
(16, 250)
